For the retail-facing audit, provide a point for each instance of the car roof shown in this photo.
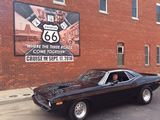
(112, 69)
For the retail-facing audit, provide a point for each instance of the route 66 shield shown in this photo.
(50, 36)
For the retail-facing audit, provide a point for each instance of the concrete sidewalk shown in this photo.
(10, 96)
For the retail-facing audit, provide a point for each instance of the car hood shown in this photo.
(54, 89)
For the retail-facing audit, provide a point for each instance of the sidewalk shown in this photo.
(9, 96)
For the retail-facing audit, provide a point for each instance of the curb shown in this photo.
(16, 95)
(10, 101)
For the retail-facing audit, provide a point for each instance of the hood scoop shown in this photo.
(59, 88)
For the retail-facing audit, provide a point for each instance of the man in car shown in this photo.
(115, 78)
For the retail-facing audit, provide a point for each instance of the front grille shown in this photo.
(42, 102)
(41, 99)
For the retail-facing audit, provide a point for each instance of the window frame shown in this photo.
(59, 3)
(122, 49)
(106, 81)
(148, 64)
(135, 18)
(157, 4)
(120, 45)
(102, 11)
(127, 73)
(158, 46)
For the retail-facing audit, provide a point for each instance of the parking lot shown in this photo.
(27, 110)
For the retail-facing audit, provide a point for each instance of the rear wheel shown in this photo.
(145, 95)
(79, 110)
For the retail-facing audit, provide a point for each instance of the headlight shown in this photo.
(49, 104)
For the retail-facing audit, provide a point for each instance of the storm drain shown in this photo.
(16, 94)
(13, 96)
(26, 94)
(20, 95)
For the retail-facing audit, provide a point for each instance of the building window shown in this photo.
(120, 53)
(59, 2)
(158, 13)
(158, 55)
(103, 6)
(146, 55)
(135, 9)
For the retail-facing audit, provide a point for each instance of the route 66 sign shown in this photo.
(50, 33)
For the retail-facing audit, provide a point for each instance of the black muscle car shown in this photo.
(92, 87)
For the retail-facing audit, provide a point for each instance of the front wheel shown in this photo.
(145, 96)
(79, 110)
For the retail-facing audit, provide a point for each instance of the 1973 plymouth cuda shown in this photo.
(92, 87)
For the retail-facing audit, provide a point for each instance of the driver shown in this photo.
(115, 78)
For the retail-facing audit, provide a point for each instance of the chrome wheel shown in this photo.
(146, 95)
(80, 110)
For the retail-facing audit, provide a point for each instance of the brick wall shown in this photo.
(99, 35)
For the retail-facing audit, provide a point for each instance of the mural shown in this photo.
(44, 34)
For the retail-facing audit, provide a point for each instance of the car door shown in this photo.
(118, 91)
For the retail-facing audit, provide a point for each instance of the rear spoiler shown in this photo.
(149, 74)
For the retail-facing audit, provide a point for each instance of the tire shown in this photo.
(145, 96)
(79, 110)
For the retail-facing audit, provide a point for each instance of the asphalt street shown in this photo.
(27, 110)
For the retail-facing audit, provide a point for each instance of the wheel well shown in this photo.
(89, 102)
(149, 86)
(73, 114)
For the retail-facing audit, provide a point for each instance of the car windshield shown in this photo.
(93, 76)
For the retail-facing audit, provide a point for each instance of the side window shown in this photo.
(121, 77)
(130, 75)
(110, 77)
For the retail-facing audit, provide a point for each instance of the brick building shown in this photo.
(113, 34)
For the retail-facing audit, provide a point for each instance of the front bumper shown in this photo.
(41, 103)
(44, 105)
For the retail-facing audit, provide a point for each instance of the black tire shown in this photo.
(145, 96)
(79, 110)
